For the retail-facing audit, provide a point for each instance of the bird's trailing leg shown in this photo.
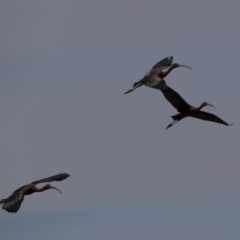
(171, 124)
(136, 85)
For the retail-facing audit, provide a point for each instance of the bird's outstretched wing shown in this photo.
(13, 203)
(166, 62)
(58, 177)
(208, 117)
(175, 99)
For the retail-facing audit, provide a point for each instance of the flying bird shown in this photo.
(186, 110)
(13, 202)
(154, 77)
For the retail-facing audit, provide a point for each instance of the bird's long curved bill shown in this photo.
(211, 106)
(184, 66)
(133, 88)
(56, 189)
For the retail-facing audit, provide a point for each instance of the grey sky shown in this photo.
(64, 68)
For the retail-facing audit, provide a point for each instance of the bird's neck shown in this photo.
(200, 107)
(41, 189)
(164, 74)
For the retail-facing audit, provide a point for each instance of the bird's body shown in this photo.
(13, 202)
(155, 77)
(154, 81)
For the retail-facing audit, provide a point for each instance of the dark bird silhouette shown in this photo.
(186, 110)
(154, 77)
(13, 202)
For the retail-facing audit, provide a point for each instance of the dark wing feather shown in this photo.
(13, 203)
(58, 177)
(166, 62)
(208, 117)
(175, 99)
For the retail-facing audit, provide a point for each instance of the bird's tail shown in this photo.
(175, 117)
(135, 85)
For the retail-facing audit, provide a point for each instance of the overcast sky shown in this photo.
(64, 68)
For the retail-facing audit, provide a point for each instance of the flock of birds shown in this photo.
(153, 79)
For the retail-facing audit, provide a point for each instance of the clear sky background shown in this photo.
(64, 68)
